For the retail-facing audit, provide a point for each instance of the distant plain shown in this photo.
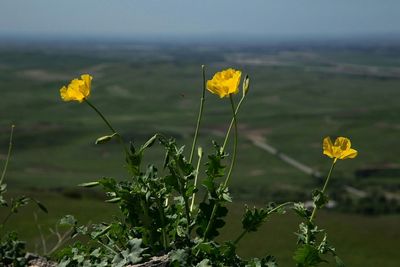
(298, 95)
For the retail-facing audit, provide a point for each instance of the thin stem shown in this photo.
(232, 122)
(280, 206)
(240, 237)
(8, 155)
(162, 217)
(120, 139)
(185, 200)
(42, 238)
(313, 214)
(199, 115)
(109, 239)
(271, 211)
(210, 222)
(6, 218)
(107, 247)
(234, 144)
(187, 209)
(195, 179)
(61, 240)
(102, 116)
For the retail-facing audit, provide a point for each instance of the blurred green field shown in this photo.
(297, 97)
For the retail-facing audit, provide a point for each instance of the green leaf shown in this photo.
(90, 184)
(96, 253)
(149, 142)
(179, 257)
(307, 256)
(253, 218)
(3, 201)
(190, 190)
(255, 262)
(19, 202)
(223, 194)
(113, 200)
(104, 139)
(100, 230)
(204, 263)
(108, 183)
(132, 148)
(131, 255)
(301, 210)
(41, 206)
(319, 198)
(68, 220)
(3, 188)
(206, 248)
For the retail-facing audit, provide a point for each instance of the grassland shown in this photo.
(297, 97)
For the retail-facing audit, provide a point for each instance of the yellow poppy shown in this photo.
(341, 149)
(78, 89)
(225, 82)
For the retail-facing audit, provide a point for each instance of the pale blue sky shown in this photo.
(260, 18)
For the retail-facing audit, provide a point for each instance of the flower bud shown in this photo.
(104, 139)
(246, 85)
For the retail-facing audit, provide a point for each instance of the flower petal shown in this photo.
(78, 89)
(343, 143)
(64, 94)
(225, 82)
(327, 147)
(349, 154)
(87, 79)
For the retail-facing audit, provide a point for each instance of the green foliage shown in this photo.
(307, 256)
(253, 218)
(12, 251)
(311, 248)
(320, 198)
(156, 214)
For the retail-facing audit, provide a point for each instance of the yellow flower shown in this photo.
(78, 89)
(340, 150)
(225, 82)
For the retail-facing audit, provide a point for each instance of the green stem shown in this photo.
(210, 222)
(107, 247)
(120, 139)
(199, 115)
(162, 217)
(232, 122)
(101, 115)
(187, 209)
(8, 155)
(240, 237)
(271, 211)
(234, 144)
(195, 179)
(6, 218)
(185, 200)
(313, 214)
(280, 206)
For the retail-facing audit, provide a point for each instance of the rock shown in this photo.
(34, 260)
